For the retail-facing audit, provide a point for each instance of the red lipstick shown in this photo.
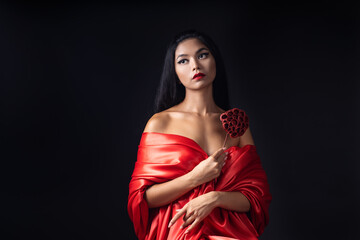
(198, 76)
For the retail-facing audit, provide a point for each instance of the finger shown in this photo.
(226, 156)
(223, 158)
(188, 221)
(188, 214)
(217, 154)
(192, 225)
(176, 217)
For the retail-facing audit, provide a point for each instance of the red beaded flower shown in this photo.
(235, 122)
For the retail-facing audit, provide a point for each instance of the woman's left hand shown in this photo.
(196, 210)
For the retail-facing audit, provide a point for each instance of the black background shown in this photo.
(77, 86)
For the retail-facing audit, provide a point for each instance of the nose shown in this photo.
(195, 65)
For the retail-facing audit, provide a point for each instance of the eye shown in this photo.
(182, 61)
(203, 55)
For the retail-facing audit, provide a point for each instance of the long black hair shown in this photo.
(171, 92)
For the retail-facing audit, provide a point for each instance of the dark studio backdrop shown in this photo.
(77, 86)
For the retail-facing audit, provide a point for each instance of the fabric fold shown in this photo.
(162, 157)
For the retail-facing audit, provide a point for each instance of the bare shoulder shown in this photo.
(246, 138)
(158, 122)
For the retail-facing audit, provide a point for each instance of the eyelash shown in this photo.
(180, 62)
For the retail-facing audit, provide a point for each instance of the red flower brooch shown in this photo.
(235, 122)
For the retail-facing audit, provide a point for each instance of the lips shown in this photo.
(198, 75)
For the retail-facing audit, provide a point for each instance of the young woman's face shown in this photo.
(193, 57)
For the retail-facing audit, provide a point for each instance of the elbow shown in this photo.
(152, 199)
(150, 203)
(248, 207)
(245, 207)
(246, 204)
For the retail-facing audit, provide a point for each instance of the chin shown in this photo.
(199, 85)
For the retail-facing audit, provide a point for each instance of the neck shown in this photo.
(199, 101)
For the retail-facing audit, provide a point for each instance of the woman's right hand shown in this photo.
(209, 168)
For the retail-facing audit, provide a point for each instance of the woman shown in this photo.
(185, 185)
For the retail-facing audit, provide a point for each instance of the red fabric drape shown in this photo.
(163, 157)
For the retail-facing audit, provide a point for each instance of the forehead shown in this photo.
(189, 46)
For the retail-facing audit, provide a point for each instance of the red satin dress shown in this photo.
(162, 157)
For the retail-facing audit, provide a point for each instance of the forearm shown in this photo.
(164, 193)
(234, 201)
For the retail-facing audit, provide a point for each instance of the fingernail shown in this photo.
(186, 231)
(181, 227)
(224, 148)
(169, 224)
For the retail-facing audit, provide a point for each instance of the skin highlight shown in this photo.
(196, 117)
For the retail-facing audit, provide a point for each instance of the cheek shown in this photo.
(180, 72)
(176, 70)
(213, 68)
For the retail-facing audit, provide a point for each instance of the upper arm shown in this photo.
(156, 123)
(246, 138)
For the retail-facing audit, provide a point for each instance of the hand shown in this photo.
(209, 168)
(196, 210)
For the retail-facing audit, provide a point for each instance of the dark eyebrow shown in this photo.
(196, 52)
